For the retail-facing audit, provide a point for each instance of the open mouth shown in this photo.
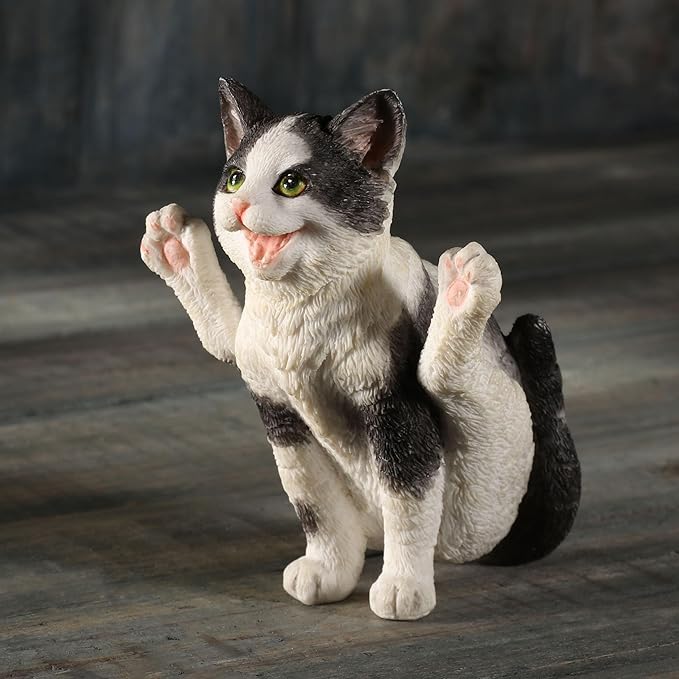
(263, 248)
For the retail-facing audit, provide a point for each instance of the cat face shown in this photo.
(304, 198)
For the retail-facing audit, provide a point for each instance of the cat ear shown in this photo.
(240, 110)
(374, 130)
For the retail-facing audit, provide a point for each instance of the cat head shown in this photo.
(306, 198)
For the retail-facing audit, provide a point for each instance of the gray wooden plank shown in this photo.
(149, 510)
(143, 530)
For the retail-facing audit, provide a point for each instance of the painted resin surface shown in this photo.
(401, 418)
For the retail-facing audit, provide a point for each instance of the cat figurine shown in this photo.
(401, 418)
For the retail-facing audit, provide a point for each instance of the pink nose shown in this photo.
(239, 208)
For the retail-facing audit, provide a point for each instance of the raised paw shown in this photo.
(397, 597)
(469, 277)
(311, 582)
(172, 242)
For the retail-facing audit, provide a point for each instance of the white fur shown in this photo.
(201, 287)
(459, 366)
(333, 561)
(314, 335)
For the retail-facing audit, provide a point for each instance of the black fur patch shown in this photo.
(403, 424)
(548, 509)
(239, 108)
(284, 427)
(307, 517)
(338, 181)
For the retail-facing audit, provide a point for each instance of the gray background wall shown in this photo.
(126, 90)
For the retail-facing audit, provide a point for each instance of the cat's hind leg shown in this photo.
(551, 502)
(487, 422)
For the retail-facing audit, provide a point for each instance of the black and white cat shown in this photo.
(400, 417)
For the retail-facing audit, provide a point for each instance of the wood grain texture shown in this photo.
(143, 529)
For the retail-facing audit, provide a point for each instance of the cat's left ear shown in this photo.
(374, 130)
(240, 110)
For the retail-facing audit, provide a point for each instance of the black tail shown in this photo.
(548, 509)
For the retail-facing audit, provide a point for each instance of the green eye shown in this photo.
(290, 185)
(234, 180)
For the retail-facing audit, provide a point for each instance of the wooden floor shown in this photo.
(143, 529)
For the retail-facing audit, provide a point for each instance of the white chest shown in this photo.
(325, 387)
(323, 366)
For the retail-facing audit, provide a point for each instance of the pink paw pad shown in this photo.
(177, 257)
(457, 292)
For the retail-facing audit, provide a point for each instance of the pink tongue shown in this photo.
(264, 248)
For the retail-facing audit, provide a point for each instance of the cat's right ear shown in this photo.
(240, 110)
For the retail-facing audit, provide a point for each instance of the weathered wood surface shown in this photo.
(143, 530)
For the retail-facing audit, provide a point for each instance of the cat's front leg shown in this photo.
(405, 440)
(335, 535)
(405, 589)
(179, 249)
